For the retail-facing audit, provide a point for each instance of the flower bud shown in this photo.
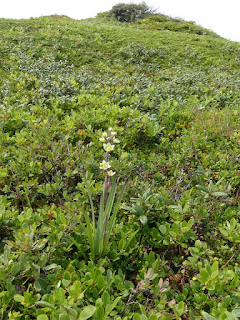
(111, 173)
(115, 140)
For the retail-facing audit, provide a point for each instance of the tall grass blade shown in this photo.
(113, 218)
(90, 232)
(90, 199)
(98, 241)
(110, 201)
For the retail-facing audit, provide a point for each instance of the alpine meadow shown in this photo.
(119, 169)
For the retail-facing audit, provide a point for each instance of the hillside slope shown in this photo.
(174, 100)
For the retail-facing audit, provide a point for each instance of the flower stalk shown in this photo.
(108, 140)
(99, 232)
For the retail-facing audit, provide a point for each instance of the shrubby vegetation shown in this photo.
(147, 18)
(130, 12)
(163, 22)
(173, 100)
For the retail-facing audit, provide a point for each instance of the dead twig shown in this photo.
(229, 260)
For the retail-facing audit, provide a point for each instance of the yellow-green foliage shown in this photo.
(174, 100)
(162, 22)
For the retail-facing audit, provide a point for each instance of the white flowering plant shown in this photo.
(99, 232)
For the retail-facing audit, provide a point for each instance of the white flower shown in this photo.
(102, 139)
(104, 165)
(113, 133)
(108, 147)
(115, 140)
(104, 134)
(111, 173)
(110, 129)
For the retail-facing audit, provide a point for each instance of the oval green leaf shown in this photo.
(87, 312)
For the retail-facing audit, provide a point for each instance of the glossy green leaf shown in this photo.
(143, 220)
(87, 312)
(42, 317)
(207, 316)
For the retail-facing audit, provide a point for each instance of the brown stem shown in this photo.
(107, 182)
(229, 260)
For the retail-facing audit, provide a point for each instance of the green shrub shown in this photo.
(130, 12)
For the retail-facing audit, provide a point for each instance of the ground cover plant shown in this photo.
(171, 98)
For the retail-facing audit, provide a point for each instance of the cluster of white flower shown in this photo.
(108, 140)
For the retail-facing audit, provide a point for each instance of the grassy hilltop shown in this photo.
(171, 91)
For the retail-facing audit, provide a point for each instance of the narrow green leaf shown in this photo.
(111, 306)
(127, 208)
(233, 223)
(178, 207)
(45, 304)
(207, 316)
(79, 246)
(130, 237)
(202, 188)
(113, 217)
(111, 198)
(219, 194)
(101, 223)
(214, 269)
(90, 231)
(90, 199)
(105, 298)
(50, 267)
(103, 220)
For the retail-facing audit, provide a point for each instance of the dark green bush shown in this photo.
(130, 12)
